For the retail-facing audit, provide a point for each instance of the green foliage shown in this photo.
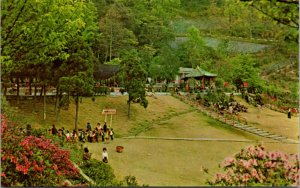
(37, 32)
(4, 105)
(100, 172)
(244, 69)
(194, 52)
(165, 65)
(130, 181)
(102, 90)
(283, 12)
(135, 78)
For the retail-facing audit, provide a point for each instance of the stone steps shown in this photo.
(245, 127)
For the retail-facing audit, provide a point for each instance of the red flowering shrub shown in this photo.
(254, 166)
(32, 161)
(3, 123)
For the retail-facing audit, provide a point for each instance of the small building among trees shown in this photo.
(197, 78)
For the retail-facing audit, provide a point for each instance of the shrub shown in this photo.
(100, 172)
(254, 166)
(32, 161)
(130, 181)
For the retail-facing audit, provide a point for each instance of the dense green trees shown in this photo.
(53, 42)
(135, 78)
(51, 38)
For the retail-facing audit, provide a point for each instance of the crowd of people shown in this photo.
(97, 134)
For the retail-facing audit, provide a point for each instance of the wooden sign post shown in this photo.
(110, 112)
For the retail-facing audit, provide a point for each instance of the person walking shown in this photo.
(89, 126)
(105, 127)
(104, 155)
(289, 114)
(102, 135)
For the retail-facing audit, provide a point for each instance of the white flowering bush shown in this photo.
(254, 166)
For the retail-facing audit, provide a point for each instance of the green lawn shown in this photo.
(157, 161)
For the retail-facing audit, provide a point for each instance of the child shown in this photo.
(111, 134)
(86, 154)
(105, 155)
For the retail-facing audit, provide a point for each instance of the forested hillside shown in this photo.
(245, 27)
(242, 41)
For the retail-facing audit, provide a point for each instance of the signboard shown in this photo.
(109, 111)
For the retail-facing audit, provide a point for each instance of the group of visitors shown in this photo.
(98, 134)
(232, 107)
(91, 135)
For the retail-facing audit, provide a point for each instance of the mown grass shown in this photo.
(153, 162)
(90, 111)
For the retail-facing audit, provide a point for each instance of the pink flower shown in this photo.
(3, 174)
(54, 167)
(229, 161)
(254, 173)
(253, 162)
(246, 164)
(261, 154)
(245, 177)
(268, 164)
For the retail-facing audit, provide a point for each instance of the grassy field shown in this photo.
(90, 111)
(161, 162)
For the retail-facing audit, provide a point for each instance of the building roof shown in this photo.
(185, 70)
(198, 72)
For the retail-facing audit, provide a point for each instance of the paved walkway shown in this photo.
(197, 139)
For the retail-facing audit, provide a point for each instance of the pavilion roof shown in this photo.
(198, 72)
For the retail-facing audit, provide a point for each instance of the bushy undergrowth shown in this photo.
(31, 160)
(100, 172)
(40, 159)
(254, 166)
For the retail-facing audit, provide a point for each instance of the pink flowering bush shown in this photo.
(32, 161)
(254, 166)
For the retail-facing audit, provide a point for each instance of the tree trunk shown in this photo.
(56, 98)
(30, 89)
(34, 98)
(128, 113)
(58, 106)
(44, 89)
(18, 91)
(5, 89)
(76, 114)
(110, 44)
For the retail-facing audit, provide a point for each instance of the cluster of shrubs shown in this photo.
(220, 101)
(254, 166)
(33, 158)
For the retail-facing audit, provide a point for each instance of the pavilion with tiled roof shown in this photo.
(198, 74)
